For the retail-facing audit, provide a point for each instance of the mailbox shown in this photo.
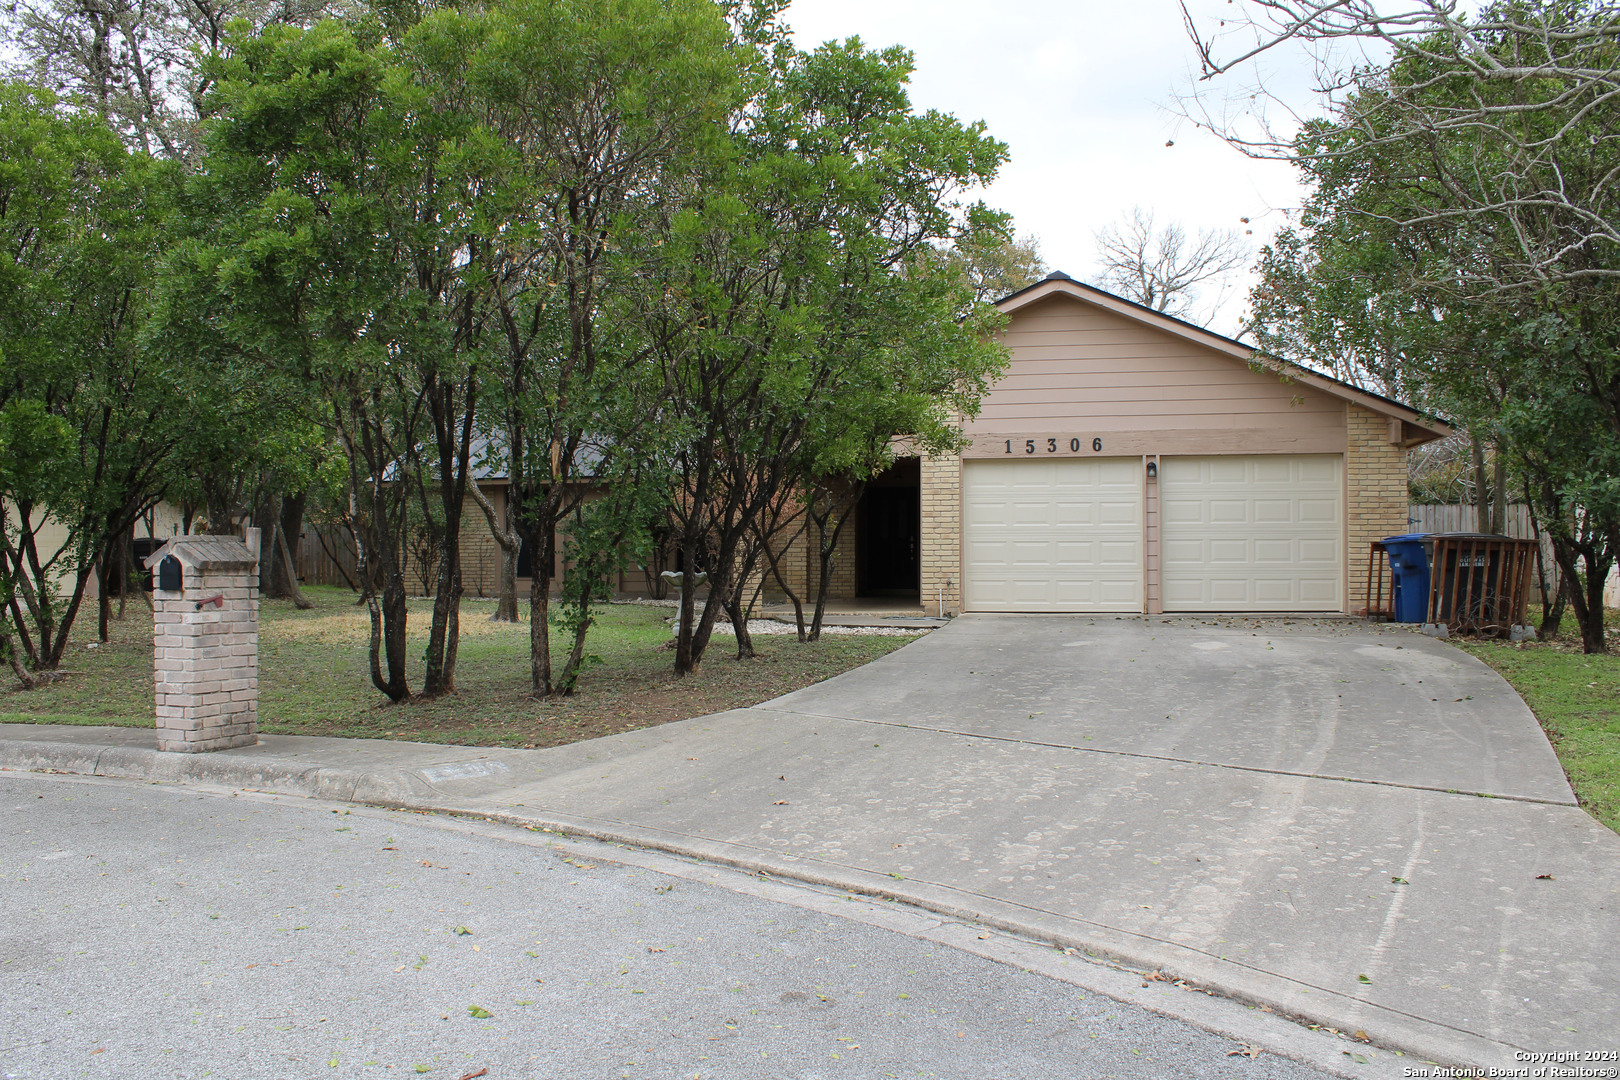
(169, 574)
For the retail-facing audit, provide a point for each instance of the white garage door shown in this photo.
(1252, 533)
(1054, 535)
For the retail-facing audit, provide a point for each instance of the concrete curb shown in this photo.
(137, 763)
(400, 789)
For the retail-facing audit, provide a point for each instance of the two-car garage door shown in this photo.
(1237, 533)
(1062, 534)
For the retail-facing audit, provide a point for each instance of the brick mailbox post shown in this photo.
(205, 641)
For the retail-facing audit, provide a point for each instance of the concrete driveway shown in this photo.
(1347, 823)
(1356, 824)
(1335, 699)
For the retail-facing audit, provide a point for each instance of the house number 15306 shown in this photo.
(1052, 446)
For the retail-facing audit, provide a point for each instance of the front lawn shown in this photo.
(1577, 699)
(314, 680)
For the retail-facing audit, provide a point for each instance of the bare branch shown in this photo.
(1164, 268)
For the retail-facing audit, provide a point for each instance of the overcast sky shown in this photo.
(1083, 93)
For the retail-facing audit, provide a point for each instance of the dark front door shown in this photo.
(890, 524)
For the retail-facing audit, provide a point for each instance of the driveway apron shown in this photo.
(1353, 823)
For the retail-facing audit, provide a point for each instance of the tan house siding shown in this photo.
(1074, 364)
(941, 555)
(1375, 487)
(49, 540)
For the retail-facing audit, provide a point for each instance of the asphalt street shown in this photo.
(154, 931)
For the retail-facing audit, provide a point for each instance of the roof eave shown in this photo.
(1060, 284)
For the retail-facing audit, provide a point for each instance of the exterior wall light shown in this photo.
(1153, 470)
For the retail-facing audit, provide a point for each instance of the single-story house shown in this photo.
(1131, 462)
(1126, 462)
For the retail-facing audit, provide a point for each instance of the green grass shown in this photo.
(1577, 699)
(314, 676)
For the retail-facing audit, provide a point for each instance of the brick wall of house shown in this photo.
(800, 564)
(480, 554)
(792, 562)
(844, 583)
(941, 555)
(1375, 483)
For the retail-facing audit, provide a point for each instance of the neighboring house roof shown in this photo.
(1417, 427)
(490, 461)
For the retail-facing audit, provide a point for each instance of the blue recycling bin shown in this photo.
(1409, 566)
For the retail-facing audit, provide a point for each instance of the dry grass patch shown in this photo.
(313, 677)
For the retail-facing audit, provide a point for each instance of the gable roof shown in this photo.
(1417, 428)
(203, 551)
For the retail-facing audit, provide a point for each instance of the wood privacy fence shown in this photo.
(1446, 517)
(1451, 517)
(325, 555)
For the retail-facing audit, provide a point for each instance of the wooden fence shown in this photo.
(325, 556)
(1446, 517)
(1452, 517)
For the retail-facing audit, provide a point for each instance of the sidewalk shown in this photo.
(1420, 916)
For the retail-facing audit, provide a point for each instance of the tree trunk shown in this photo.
(1585, 588)
(1552, 615)
(509, 541)
(837, 513)
(737, 608)
(686, 662)
(291, 569)
(1499, 494)
(388, 617)
(739, 628)
(453, 430)
(103, 600)
(394, 615)
(126, 571)
(694, 640)
(540, 543)
(272, 575)
(775, 562)
(8, 649)
(568, 681)
(439, 674)
(292, 534)
(1552, 600)
(378, 536)
(1482, 501)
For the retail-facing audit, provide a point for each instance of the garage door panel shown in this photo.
(1121, 513)
(1274, 512)
(1079, 535)
(1271, 592)
(1320, 553)
(1320, 469)
(1259, 533)
(1275, 551)
(1319, 511)
(1269, 470)
(1320, 596)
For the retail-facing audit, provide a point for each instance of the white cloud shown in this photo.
(1082, 92)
